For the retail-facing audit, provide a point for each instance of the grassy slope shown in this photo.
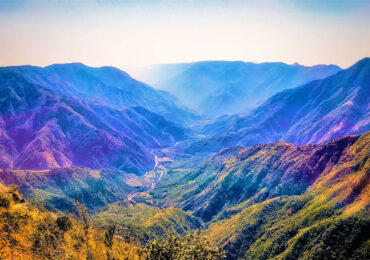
(140, 223)
(238, 177)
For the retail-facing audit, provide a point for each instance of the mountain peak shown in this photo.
(72, 64)
(363, 63)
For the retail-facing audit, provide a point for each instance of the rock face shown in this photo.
(221, 87)
(41, 128)
(252, 175)
(313, 113)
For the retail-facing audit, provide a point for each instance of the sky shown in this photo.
(131, 33)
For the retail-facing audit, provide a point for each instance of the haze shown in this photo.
(136, 33)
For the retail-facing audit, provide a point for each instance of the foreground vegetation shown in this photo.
(32, 232)
(189, 247)
(139, 223)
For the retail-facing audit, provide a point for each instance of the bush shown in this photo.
(188, 247)
(64, 223)
(4, 203)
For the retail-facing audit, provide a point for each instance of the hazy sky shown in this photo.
(130, 33)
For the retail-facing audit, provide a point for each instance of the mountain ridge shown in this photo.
(107, 85)
(42, 129)
(250, 175)
(220, 87)
(312, 113)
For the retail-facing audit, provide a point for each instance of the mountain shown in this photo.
(216, 188)
(221, 87)
(105, 194)
(280, 201)
(42, 129)
(330, 221)
(105, 85)
(313, 113)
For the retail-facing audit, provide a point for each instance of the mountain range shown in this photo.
(215, 88)
(271, 160)
(104, 85)
(42, 126)
(313, 113)
(250, 175)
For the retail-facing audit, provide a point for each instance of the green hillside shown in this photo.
(330, 221)
(140, 223)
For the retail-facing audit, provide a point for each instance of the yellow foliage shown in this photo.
(27, 232)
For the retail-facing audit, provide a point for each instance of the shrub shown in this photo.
(188, 247)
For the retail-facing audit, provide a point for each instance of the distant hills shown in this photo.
(73, 115)
(215, 88)
(104, 85)
(313, 113)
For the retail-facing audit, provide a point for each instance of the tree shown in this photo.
(64, 223)
(48, 238)
(108, 239)
(109, 234)
(10, 225)
(84, 216)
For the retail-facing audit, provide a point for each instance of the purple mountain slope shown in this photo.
(106, 85)
(41, 129)
(313, 113)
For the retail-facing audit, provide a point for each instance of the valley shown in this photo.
(287, 178)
